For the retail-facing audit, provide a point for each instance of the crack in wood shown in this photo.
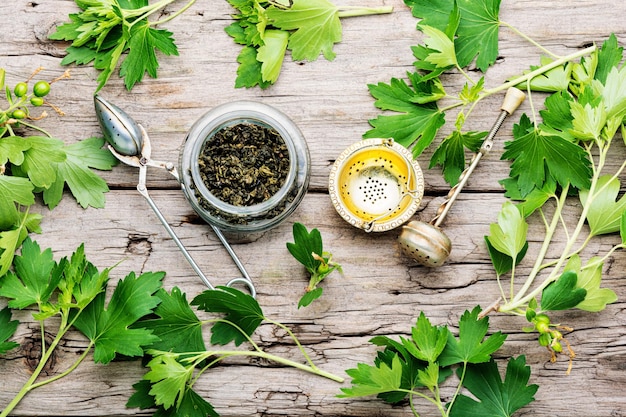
(30, 349)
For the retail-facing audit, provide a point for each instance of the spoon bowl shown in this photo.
(119, 129)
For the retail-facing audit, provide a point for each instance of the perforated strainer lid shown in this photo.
(376, 185)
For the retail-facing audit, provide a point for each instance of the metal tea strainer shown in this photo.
(425, 242)
(130, 143)
(376, 185)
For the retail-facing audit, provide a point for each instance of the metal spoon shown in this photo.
(130, 143)
(426, 242)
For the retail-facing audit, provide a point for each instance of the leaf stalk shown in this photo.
(354, 11)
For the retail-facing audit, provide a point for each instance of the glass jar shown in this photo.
(234, 219)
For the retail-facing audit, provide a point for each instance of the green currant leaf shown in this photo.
(614, 93)
(272, 53)
(239, 309)
(143, 43)
(557, 116)
(7, 329)
(588, 121)
(429, 341)
(33, 280)
(604, 213)
(429, 377)
(412, 368)
(169, 379)
(536, 157)
(178, 328)
(471, 346)
(495, 397)
(557, 79)
(450, 154)
(563, 293)
(477, 33)
(316, 27)
(310, 296)
(590, 279)
(532, 201)
(371, 380)
(12, 238)
(14, 191)
(191, 404)
(86, 186)
(609, 56)
(508, 236)
(503, 263)
(109, 328)
(417, 123)
(40, 159)
(81, 55)
(249, 70)
(442, 47)
(12, 149)
(305, 245)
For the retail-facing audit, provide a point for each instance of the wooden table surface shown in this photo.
(381, 292)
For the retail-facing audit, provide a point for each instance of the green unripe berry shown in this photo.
(542, 318)
(542, 327)
(36, 101)
(20, 89)
(41, 88)
(19, 114)
(544, 339)
(557, 347)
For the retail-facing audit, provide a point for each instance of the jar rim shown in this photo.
(253, 209)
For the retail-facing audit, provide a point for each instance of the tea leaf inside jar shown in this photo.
(244, 164)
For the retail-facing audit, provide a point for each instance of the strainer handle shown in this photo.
(513, 98)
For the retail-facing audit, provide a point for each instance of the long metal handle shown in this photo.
(512, 100)
(245, 280)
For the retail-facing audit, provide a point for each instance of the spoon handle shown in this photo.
(512, 100)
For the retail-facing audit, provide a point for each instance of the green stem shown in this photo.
(67, 371)
(519, 299)
(45, 132)
(352, 11)
(296, 341)
(421, 395)
(144, 12)
(174, 15)
(526, 77)
(524, 36)
(30, 384)
(274, 358)
(458, 388)
(541, 70)
(239, 329)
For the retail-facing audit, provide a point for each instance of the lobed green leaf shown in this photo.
(242, 313)
(371, 380)
(109, 328)
(177, 326)
(563, 293)
(32, 281)
(472, 345)
(316, 27)
(494, 397)
(604, 212)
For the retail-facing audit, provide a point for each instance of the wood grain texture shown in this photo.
(381, 293)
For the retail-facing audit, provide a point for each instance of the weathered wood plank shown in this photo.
(382, 292)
